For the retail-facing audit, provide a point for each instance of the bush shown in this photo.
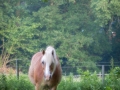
(68, 83)
(3, 82)
(112, 81)
(90, 81)
(10, 82)
(86, 81)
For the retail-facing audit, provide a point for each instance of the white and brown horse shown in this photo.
(45, 70)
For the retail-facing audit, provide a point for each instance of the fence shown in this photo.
(102, 69)
(77, 81)
(75, 70)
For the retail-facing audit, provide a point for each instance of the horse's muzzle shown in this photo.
(48, 77)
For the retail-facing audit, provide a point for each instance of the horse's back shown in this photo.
(36, 58)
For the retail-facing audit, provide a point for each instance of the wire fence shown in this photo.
(101, 69)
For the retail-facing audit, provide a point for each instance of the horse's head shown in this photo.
(49, 62)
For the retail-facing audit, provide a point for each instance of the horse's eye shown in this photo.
(43, 62)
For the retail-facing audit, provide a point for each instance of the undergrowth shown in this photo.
(10, 82)
(86, 81)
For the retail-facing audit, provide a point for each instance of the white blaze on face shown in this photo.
(47, 72)
(48, 62)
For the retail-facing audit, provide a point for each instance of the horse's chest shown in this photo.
(46, 86)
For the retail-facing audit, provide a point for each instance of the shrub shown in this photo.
(10, 82)
(87, 81)
(68, 83)
(3, 82)
(90, 81)
(112, 81)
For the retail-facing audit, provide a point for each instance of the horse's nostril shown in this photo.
(50, 76)
(47, 78)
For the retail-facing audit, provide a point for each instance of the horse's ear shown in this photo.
(43, 52)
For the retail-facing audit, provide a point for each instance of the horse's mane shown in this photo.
(51, 50)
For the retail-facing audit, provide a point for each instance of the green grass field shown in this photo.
(87, 81)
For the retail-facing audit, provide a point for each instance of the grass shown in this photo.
(10, 82)
(87, 81)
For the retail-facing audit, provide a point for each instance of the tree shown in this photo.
(78, 29)
(16, 32)
(107, 14)
(70, 31)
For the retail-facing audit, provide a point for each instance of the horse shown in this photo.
(45, 70)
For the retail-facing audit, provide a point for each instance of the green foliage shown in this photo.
(3, 82)
(65, 32)
(86, 81)
(29, 26)
(101, 10)
(68, 83)
(10, 82)
(107, 14)
(105, 10)
(112, 81)
(90, 81)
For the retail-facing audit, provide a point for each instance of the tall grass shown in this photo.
(87, 81)
(10, 82)
(90, 81)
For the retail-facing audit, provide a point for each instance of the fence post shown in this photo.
(17, 69)
(103, 73)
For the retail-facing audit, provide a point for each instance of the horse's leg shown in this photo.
(37, 86)
(54, 88)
